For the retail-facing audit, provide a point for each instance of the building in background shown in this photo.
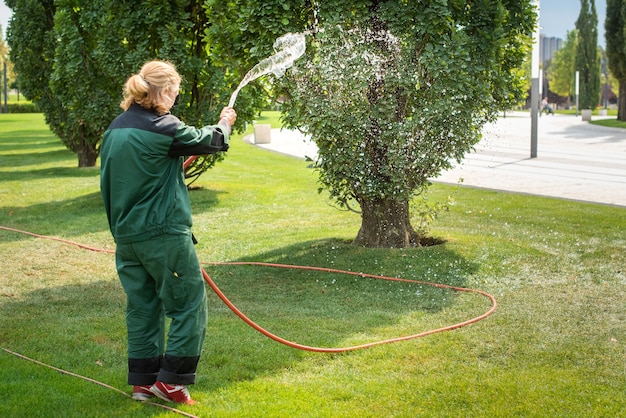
(548, 46)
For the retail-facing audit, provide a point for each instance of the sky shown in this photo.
(5, 15)
(556, 17)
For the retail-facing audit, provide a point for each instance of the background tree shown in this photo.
(393, 92)
(240, 34)
(562, 72)
(4, 55)
(4, 50)
(587, 57)
(96, 44)
(31, 39)
(615, 34)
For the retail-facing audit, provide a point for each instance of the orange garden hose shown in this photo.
(276, 338)
(188, 161)
(329, 270)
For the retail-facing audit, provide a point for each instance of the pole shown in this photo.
(534, 86)
(6, 97)
(577, 88)
(605, 73)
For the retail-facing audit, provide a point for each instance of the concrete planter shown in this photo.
(586, 113)
(262, 134)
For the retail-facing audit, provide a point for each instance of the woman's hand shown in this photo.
(229, 115)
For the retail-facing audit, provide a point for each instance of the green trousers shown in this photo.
(162, 278)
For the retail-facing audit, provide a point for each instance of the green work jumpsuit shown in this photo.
(149, 213)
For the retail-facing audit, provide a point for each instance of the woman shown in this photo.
(149, 214)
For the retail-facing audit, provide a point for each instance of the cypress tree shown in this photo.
(616, 49)
(587, 57)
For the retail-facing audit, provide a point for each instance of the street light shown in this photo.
(534, 86)
(577, 89)
(6, 91)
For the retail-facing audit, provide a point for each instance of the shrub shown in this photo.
(23, 108)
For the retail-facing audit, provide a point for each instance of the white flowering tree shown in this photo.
(393, 92)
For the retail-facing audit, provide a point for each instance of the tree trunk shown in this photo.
(386, 224)
(87, 155)
(621, 103)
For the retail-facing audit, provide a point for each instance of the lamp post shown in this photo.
(606, 90)
(534, 87)
(577, 89)
(6, 91)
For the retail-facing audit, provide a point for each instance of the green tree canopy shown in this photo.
(563, 68)
(73, 57)
(5, 79)
(615, 33)
(392, 92)
(587, 57)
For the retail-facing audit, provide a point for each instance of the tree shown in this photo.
(3, 47)
(5, 79)
(73, 57)
(10, 74)
(587, 58)
(30, 37)
(392, 92)
(240, 34)
(615, 33)
(562, 72)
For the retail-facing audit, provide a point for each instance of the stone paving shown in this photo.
(575, 160)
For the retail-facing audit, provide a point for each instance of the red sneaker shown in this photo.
(172, 393)
(142, 393)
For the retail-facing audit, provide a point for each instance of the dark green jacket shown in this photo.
(141, 175)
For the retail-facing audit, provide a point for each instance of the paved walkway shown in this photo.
(575, 160)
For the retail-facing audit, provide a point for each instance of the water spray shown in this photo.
(287, 48)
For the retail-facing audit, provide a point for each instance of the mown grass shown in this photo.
(595, 112)
(611, 123)
(554, 347)
(15, 98)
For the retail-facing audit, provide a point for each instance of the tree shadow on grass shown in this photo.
(78, 328)
(50, 173)
(22, 148)
(76, 216)
(26, 140)
(309, 307)
(61, 218)
(52, 157)
(81, 329)
(330, 310)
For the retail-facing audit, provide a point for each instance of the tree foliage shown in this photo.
(587, 57)
(73, 57)
(615, 33)
(29, 35)
(10, 77)
(393, 92)
(562, 72)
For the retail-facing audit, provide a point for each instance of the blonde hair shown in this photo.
(148, 87)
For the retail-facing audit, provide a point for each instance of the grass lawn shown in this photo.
(14, 97)
(554, 348)
(611, 123)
